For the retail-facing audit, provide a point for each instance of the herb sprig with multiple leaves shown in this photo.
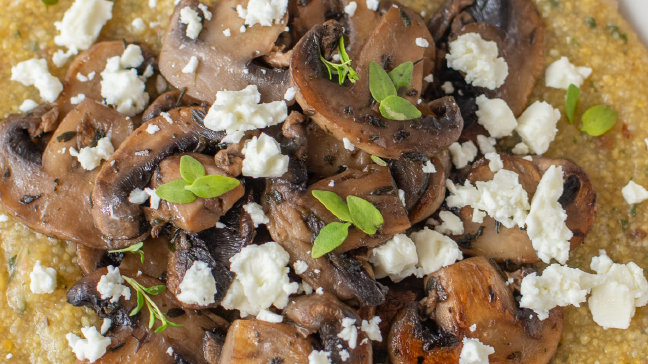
(355, 211)
(385, 87)
(154, 310)
(597, 120)
(342, 70)
(135, 249)
(195, 183)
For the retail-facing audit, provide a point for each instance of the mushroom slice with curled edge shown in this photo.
(132, 339)
(349, 112)
(472, 293)
(170, 100)
(323, 314)
(155, 251)
(225, 62)
(432, 197)
(132, 165)
(45, 187)
(501, 243)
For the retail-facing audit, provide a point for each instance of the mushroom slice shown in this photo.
(132, 166)
(132, 339)
(170, 100)
(225, 63)
(323, 314)
(155, 250)
(432, 197)
(501, 243)
(45, 187)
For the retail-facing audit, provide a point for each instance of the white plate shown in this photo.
(635, 12)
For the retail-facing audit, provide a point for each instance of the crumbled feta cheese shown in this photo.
(138, 24)
(290, 94)
(300, 267)
(264, 12)
(348, 145)
(243, 29)
(160, 84)
(82, 23)
(537, 126)
(263, 158)
(462, 154)
(319, 290)
(190, 17)
(105, 326)
(198, 286)
(546, 225)
(434, 250)
(520, 148)
(305, 288)
(4, 218)
(495, 163)
(91, 75)
(448, 88)
(92, 347)
(496, 116)
(474, 352)
(634, 193)
(123, 87)
(90, 157)
(9, 356)
(332, 183)
(131, 57)
(473, 327)
(110, 286)
(256, 213)
(486, 144)
(28, 105)
(351, 8)
(624, 288)
(261, 279)
(152, 129)
(451, 224)
(191, 66)
(220, 225)
(81, 77)
(401, 196)
(155, 199)
(60, 58)
(227, 32)
(205, 10)
(561, 74)
(422, 42)
(238, 111)
(344, 355)
(43, 279)
(373, 5)
(166, 117)
(397, 258)
(349, 332)
(138, 196)
(429, 78)
(371, 328)
(170, 351)
(153, 4)
(319, 357)
(477, 58)
(74, 100)
(502, 198)
(34, 72)
(557, 286)
(428, 167)
(265, 315)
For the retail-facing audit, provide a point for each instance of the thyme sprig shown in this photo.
(143, 297)
(343, 69)
(135, 249)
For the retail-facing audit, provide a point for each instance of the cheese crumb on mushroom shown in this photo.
(496, 116)
(422, 42)
(191, 66)
(300, 266)
(349, 332)
(428, 167)
(373, 5)
(90, 157)
(495, 163)
(537, 126)
(474, 352)
(28, 105)
(477, 58)
(198, 285)
(462, 154)
(486, 144)
(348, 145)
(451, 224)
(263, 158)
(351, 8)
(397, 258)
(256, 213)
(319, 357)
(110, 286)
(371, 328)
(120, 84)
(190, 17)
(265, 315)
(434, 251)
(264, 12)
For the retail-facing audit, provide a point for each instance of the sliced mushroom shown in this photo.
(225, 63)
(45, 187)
(170, 100)
(433, 196)
(501, 243)
(132, 166)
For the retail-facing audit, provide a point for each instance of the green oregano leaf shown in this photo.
(401, 76)
(140, 304)
(380, 84)
(135, 249)
(155, 289)
(329, 238)
(175, 192)
(378, 160)
(573, 93)
(191, 169)
(397, 108)
(365, 216)
(333, 203)
(212, 186)
(598, 119)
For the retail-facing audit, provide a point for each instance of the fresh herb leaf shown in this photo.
(140, 304)
(380, 84)
(616, 33)
(401, 76)
(573, 93)
(135, 249)
(343, 69)
(154, 311)
(329, 238)
(155, 289)
(397, 108)
(624, 225)
(365, 216)
(378, 160)
(344, 57)
(633, 211)
(212, 186)
(598, 119)
(191, 169)
(591, 22)
(50, 2)
(175, 192)
(333, 203)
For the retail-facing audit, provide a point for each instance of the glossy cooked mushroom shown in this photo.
(44, 186)
(156, 253)
(432, 197)
(170, 100)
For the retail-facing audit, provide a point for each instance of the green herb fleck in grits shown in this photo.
(624, 225)
(616, 33)
(634, 210)
(591, 22)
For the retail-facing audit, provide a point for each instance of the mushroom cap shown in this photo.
(155, 250)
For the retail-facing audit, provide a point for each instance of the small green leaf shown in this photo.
(624, 225)
(329, 238)
(344, 57)
(333, 203)
(598, 119)
(50, 2)
(380, 84)
(151, 315)
(401, 76)
(591, 22)
(140, 304)
(135, 249)
(155, 289)
(191, 169)
(212, 186)
(397, 108)
(378, 160)
(175, 192)
(573, 93)
(634, 210)
(365, 216)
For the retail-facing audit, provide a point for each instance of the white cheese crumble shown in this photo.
(397, 258)
(90, 157)
(28, 105)
(220, 225)
(227, 32)
(537, 126)
(261, 279)
(300, 267)
(477, 58)
(486, 144)
(349, 332)
(462, 154)
(448, 88)
(473, 327)
(434, 250)
(451, 224)
(92, 347)
(238, 111)
(81, 77)
(123, 87)
(60, 58)
(496, 116)
(256, 213)
(546, 225)
(428, 167)
(348, 145)
(43, 279)
(264, 12)
(170, 351)
(110, 286)
(198, 285)
(34, 72)
(344, 355)
(495, 163)
(373, 5)
(305, 288)
(4, 218)
(82, 23)
(74, 100)
(205, 10)
(422, 42)
(332, 183)
(155, 199)
(265, 315)
(131, 57)
(263, 158)
(290, 94)
(9, 356)
(105, 326)
(634, 193)
(138, 24)
(351, 8)
(319, 290)
(429, 78)
(561, 74)
(152, 129)
(243, 29)
(152, 4)
(401, 196)
(191, 66)
(160, 84)
(319, 357)
(372, 329)
(520, 149)
(190, 17)
(166, 117)
(474, 352)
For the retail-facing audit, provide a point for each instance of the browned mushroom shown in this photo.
(155, 250)
(170, 100)
(432, 197)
